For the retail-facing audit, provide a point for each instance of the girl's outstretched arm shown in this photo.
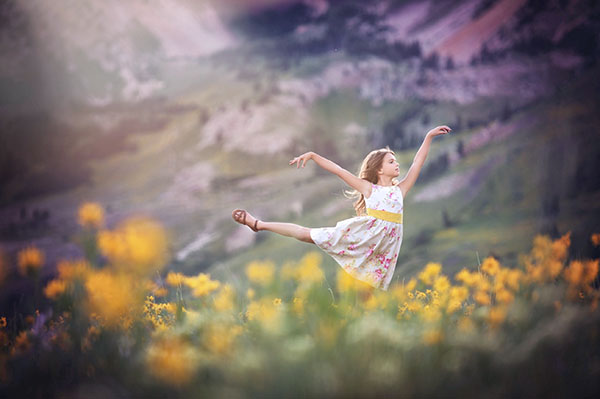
(414, 170)
(361, 185)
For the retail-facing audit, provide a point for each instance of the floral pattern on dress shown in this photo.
(364, 246)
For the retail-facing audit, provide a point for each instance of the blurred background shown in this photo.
(185, 110)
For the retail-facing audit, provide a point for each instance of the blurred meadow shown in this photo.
(130, 131)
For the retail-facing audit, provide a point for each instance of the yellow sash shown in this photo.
(385, 215)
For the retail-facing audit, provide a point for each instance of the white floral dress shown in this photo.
(365, 246)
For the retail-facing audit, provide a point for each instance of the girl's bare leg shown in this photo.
(285, 229)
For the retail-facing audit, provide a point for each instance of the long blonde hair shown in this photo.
(368, 171)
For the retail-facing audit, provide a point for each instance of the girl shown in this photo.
(367, 245)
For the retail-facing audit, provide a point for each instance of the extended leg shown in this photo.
(287, 229)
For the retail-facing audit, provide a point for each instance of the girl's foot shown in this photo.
(240, 216)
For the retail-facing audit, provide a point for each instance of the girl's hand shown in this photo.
(436, 131)
(302, 158)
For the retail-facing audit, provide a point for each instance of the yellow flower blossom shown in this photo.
(411, 285)
(309, 270)
(201, 284)
(453, 305)
(250, 293)
(113, 297)
(431, 313)
(69, 270)
(91, 214)
(513, 277)
(421, 295)
(175, 279)
(496, 316)
(553, 268)
(560, 247)
(590, 271)
(224, 300)
(490, 266)
(138, 245)
(482, 297)
(574, 273)
(441, 284)
(30, 259)
(260, 272)
(55, 288)
(466, 277)
(431, 271)
(504, 296)
(173, 360)
(459, 293)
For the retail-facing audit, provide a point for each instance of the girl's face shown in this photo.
(390, 166)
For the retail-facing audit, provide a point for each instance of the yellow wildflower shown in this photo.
(55, 288)
(411, 285)
(260, 272)
(73, 270)
(201, 284)
(421, 295)
(560, 247)
(250, 293)
(175, 279)
(490, 266)
(453, 305)
(113, 297)
(441, 284)
(574, 273)
(224, 300)
(138, 244)
(482, 297)
(172, 360)
(309, 271)
(496, 316)
(459, 293)
(30, 259)
(553, 267)
(466, 277)
(431, 313)
(431, 271)
(504, 296)
(513, 277)
(91, 214)
(590, 271)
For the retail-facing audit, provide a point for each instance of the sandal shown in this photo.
(239, 215)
